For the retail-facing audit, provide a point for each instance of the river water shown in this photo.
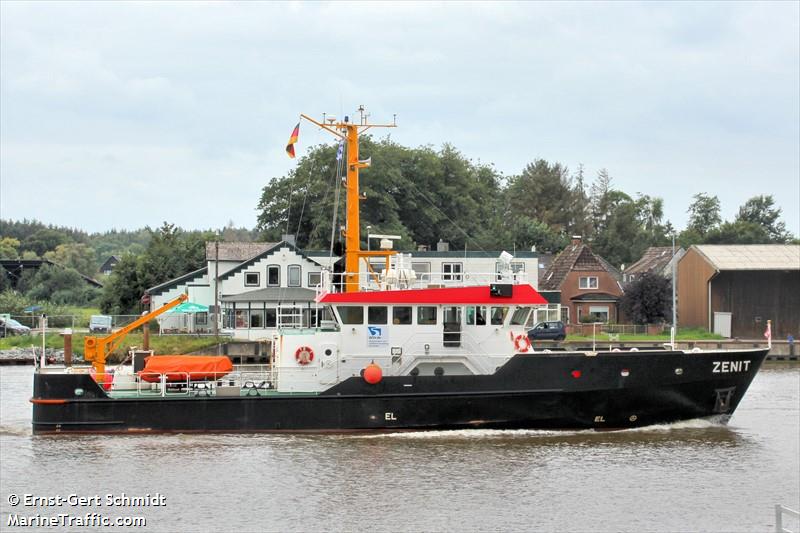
(691, 476)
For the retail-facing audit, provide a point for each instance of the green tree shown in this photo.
(61, 286)
(761, 210)
(648, 300)
(704, 214)
(78, 256)
(44, 240)
(9, 248)
(543, 191)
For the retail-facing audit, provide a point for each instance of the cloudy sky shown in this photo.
(120, 115)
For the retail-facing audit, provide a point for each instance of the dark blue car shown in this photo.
(554, 330)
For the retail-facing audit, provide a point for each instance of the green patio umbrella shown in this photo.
(189, 307)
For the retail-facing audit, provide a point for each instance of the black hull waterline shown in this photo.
(610, 390)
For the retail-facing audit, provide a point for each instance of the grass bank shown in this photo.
(688, 334)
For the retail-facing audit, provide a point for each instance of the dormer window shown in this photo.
(589, 282)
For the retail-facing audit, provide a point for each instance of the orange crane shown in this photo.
(96, 349)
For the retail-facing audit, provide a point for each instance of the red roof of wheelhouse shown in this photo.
(476, 295)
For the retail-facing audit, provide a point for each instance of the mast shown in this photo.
(348, 132)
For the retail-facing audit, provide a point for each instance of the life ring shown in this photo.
(522, 343)
(304, 355)
(90, 342)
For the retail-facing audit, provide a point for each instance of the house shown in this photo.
(262, 286)
(590, 286)
(656, 259)
(734, 289)
(108, 265)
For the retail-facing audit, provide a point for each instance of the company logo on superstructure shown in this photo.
(377, 336)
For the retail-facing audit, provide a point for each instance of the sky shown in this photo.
(126, 114)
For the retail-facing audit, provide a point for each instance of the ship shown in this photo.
(390, 352)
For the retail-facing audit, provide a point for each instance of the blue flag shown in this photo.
(339, 151)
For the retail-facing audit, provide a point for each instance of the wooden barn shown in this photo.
(734, 289)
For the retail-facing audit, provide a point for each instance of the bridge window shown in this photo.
(476, 316)
(426, 315)
(377, 314)
(351, 314)
(520, 316)
(499, 315)
(401, 315)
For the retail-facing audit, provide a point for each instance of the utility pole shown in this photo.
(216, 288)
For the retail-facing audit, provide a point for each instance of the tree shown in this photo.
(74, 255)
(44, 240)
(61, 285)
(543, 192)
(648, 300)
(704, 214)
(170, 253)
(9, 248)
(759, 210)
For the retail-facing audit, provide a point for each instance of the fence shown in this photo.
(70, 321)
(587, 330)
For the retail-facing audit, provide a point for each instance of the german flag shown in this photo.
(292, 140)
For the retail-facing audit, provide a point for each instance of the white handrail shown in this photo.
(780, 510)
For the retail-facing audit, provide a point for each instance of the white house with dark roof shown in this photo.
(265, 285)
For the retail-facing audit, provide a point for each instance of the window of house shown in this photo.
(201, 319)
(271, 317)
(351, 314)
(589, 282)
(256, 318)
(401, 315)
(426, 315)
(377, 314)
(242, 318)
(314, 279)
(294, 275)
(251, 279)
(451, 271)
(599, 312)
(289, 317)
(499, 315)
(273, 275)
(228, 318)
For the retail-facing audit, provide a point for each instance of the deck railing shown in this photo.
(780, 510)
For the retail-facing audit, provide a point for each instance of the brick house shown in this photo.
(589, 285)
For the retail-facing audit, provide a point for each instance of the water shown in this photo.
(693, 475)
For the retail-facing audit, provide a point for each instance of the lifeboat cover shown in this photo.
(181, 367)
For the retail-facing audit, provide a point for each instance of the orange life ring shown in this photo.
(522, 343)
(90, 342)
(304, 355)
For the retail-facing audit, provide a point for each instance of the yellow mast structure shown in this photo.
(349, 132)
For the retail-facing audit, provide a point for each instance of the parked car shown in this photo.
(9, 326)
(548, 331)
(100, 324)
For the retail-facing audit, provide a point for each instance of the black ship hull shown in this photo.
(611, 390)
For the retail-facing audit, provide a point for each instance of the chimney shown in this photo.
(442, 246)
(422, 248)
(576, 240)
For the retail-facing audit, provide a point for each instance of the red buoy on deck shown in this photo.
(373, 374)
